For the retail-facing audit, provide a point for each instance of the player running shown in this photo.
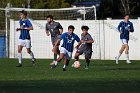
(55, 29)
(125, 27)
(66, 49)
(85, 46)
(24, 38)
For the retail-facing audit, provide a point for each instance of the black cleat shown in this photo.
(33, 61)
(19, 65)
(64, 69)
(53, 66)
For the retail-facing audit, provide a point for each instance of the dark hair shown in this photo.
(50, 16)
(85, 27)
(71, 27)
(126, 15)
(24, 12)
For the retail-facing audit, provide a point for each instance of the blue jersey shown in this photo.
(25, 34)
(123, 28)
(68, 41)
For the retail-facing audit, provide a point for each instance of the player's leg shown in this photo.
(88, 54)
(77, 54)
(61, 56)
(76, 57)
(65, 64)
(127, 53)
(54, 39)
(28, 47)
(55, 55)
(55, 63)
(67, 58)
(120, 52)
(87, 63)
(20, 46)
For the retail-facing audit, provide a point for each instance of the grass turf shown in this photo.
(101, 77)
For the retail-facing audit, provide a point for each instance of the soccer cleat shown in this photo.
(86, 67)
(52, 63)
(116, 60)
(128, 62)
(33, 61)
(64, 69)
(53, 66)
(19, 65)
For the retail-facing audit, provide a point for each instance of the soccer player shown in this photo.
(125, 27)
(24, 38)
(66, 49)
(85, 46)
(55, 29)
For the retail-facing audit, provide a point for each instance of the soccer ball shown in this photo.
(76, 64)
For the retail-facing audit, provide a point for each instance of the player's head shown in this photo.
(23, 14)
(85, 29)
(126, 17)
(70, 29)
(49, 18)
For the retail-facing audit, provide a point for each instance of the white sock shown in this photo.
(127, 57)
(32, 55)
(20, 58)
(64, 66)
(55, 62)
(118, 56)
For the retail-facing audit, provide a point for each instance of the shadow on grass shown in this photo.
(69, 86)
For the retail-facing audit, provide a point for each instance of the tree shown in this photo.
(57, 4)
(128, 6)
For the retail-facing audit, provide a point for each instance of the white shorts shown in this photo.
(25, 43)
(67, 54)
(124, 41)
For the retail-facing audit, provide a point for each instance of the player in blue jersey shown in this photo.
(67, 47)
(24, 38)
(125, 27)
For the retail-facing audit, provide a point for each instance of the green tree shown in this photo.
(57, 4)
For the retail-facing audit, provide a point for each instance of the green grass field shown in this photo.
(101, 77)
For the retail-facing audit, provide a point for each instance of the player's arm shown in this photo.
(90, 40)
(57, 43)
(120, 27)
(77, 46)
(60, 28)
(29, 28)
(131, 28)
(55, 46)
(24, 28)
(61, 31)
(87, 41)
(78, 40)
(47, 30)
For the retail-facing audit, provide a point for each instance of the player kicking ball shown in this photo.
(67, 47)
(85, 46)
(24, 38)
(125, 27)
